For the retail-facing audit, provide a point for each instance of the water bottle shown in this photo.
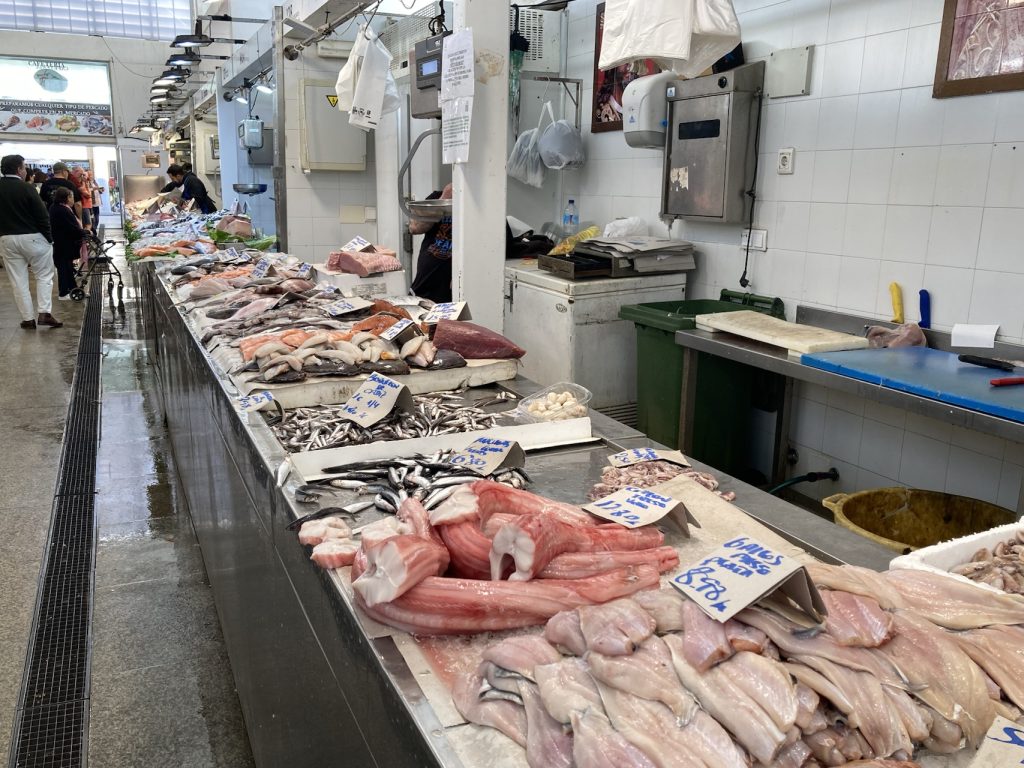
(570, 219)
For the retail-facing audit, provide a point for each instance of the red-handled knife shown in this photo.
(1009, 381)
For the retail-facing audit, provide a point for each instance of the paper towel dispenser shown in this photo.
(709, 152)
(645, 110)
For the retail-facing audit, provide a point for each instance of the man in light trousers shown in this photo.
(25, 243)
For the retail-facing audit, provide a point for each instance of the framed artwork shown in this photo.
(606, 113)
(981, 48)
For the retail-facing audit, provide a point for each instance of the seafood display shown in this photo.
(1001, 567)
(364, 263)
(326, 426)
(555, 406)
(474, 342)
(647, 474)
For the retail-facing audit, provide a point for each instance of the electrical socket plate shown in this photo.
(758, 242)
(785, 166)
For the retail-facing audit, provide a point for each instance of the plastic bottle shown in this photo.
(570, 219)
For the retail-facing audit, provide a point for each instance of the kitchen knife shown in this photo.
(986, 362)
(926, 309)
(1010, 381)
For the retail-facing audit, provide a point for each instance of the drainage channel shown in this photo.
(51, 722)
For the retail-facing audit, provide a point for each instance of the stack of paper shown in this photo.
(645, 253)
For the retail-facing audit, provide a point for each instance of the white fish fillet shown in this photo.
(954, 604)
(597, 745)
(566, 688)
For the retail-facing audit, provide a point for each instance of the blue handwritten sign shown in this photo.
(375, 399)
(255, 401)
(304, 271)
(640, 455)
(346, 306)
(445, 310)
(1003, 745)
(634, 507)
(486, 455)
(261, 268)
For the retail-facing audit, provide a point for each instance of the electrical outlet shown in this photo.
(785, 166)
(758, 242)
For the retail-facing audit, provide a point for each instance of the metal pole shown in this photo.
(280, 191)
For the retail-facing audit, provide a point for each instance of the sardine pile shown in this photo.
(647, 474)
(325, 426)
(1001, 567)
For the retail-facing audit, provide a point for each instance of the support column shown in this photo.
(478, 254)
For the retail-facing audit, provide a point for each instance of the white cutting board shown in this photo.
(798, 339)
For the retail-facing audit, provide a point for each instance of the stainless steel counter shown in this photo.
(316, 683)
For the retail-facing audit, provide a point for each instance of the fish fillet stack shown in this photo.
(493, 557)
(906, 660)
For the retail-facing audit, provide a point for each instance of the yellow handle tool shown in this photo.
(896, 293)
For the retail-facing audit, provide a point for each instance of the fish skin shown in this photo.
(954, 604)
(521, 654)
(596, 744)
(503, 715)
(856, 620)
(616, 628)
(821, 686)
(567, 688)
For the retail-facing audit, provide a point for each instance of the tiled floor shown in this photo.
(162, 691)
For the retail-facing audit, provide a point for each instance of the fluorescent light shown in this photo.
(241, 99)
(264, 88)
(148, 128)
(157, 99)
(182, 59)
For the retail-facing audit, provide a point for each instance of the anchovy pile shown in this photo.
(325, 426)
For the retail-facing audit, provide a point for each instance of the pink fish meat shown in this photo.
(521, 654)
(470, 550)
(506, 716)
(856, 620)
(563, 630)
(665, 605)
(597, 745)
(616, 628)
(547, 743)
(474, 342)
(396, 565)
(704, 639)
(954, 604)
(334, 553)
(647, 673)
(313, 532)
(479, 500)
(566, 687)
(579, 565)
(363, 263)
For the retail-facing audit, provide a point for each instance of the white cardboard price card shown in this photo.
(357, 243)
(1003, 746)
(740, 573)
(375, 399)
(634, 507)
(487, 455)
(401, 331)
(345, 306)
(325, 288)
(304, 271)
(261, 268)
(640, 455)
(447, 310)
(254, 401)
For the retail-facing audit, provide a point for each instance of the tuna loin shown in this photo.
(474, 342)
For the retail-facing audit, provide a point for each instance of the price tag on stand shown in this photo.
(375, 399)
(633, 507)
(640, 455)
(487, 455)
(254, 401)
(401, 332)
(304, 271)
(740, 573)
(447, 310)
(1003, 746)
(357, 243)
(261, 268)
(326, 288)
(346, 306)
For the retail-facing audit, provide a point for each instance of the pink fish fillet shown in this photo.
(704, 640)
(506, 716)
(481, 499)
(448, 606)
(616, 628)
(859, 581)
(856, 620)
(807, 704)
(470, 550)
(744, 638)
(547, 743)
(597, 745)
(767, 683)
(521, 654)
(532, 541)
(665, 605)
(954, 604)
(313, 532)
(792, 756)
(473, 341)
(397, 565)
(566, 688)
(563, 630)
(334, 553)
(1001, 654)
(579, 565)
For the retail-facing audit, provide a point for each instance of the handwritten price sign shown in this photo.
(345, 306)
(357, 243)
(487, 455)
(304, 271)
(254, 402)
(375, 399)
(634, 507)
(640, 455)
(401, 331)
(261, 268)
(1003, 746)
(739, 574)
(448, 310)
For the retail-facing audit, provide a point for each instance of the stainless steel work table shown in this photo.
(317, 688)
(777, 360)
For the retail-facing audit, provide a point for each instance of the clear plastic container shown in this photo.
(564, 400)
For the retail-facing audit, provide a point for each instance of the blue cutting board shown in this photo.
(929, 373)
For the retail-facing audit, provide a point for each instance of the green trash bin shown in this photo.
(725, 389)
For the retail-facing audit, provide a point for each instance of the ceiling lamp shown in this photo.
(263, 88)
(163, 119)
(240, 98)
(149, 127)
(158, 99)
(200, 40)
(173, 76)
(183, 59)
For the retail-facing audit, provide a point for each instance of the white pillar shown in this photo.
(389, 224)
(478, 209)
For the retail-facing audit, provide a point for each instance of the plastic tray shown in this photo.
(582, 395)
(940, 558)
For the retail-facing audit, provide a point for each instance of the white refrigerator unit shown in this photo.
(571, 329)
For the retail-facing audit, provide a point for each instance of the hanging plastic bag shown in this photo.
(561, 146)
(524, 163)
(359, 85)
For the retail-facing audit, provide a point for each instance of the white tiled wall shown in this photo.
(889, 185)
(315, 199)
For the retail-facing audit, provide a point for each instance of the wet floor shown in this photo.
(162, 691)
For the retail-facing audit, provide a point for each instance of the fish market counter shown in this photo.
(320, 683)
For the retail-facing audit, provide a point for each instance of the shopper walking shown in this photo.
(25, 243)
(191, 188)
(60, 179)
(67, 241)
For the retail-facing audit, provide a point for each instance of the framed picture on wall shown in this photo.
(981, 48)
(606, 114)
(215, 148)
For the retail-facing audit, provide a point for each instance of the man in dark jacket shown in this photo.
(25, 242)
(56, 181)
(67, 241)
(192, 188)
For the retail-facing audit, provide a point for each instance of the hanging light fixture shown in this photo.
(184, 59)
(173, 76)
(199, 39)
(158, 99)
(264, 88)
(240, 98)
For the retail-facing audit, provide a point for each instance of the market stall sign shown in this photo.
(741, 572)
(55, 97)
(640, 455)
(375, 399)
(447, 310)
(254, 401)
(1003, 746)
(326, 288)
(357, 244)
(486, 455)
(261, 268)
(346, 306)
(304, 271)
(633, 507)
(401, 332)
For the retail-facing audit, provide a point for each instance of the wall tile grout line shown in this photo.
(51, 721)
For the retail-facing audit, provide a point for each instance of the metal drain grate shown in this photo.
(53, 709)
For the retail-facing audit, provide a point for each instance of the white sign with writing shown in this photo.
(1003, 746)
(261, 268)
(345, 306)
(457, 65)
(447, 310)
(487, 455)
(740, 573)
(304, 271)
(640, 455)
(375, 399)
(357, 243)
(456, 120)
(254, 401)
(392, 333)
(634, 507)
(326, 288)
